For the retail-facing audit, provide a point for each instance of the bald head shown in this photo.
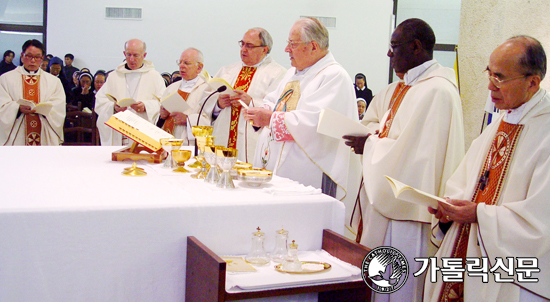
(134, 51)
(190, 63)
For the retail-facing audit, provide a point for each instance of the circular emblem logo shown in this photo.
(385, 269)
(499, 149)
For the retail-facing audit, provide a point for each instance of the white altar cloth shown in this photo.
(72, 228)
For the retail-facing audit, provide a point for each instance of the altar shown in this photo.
(73, 228)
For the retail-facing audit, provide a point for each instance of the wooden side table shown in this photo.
(205, 274)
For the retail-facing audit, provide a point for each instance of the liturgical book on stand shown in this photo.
(138, 129)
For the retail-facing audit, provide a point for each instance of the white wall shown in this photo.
(359, 41)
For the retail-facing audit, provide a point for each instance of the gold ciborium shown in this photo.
(180, 157)
(170, 144)
(199, 131)
(210, 156)
(202, 142)
(226, 159)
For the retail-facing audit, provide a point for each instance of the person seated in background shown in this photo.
(361, 89)
(191, 89)
(176, 76)
(69, 70)
(45, 65)
(167, 78)
(56, 68)
(99, 79)
(361, 107)
(7, 63)
(83, 95)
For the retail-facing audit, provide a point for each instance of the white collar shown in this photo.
(514, 116)
(187, 86)
(412, 75)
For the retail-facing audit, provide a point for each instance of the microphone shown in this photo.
(220, 89)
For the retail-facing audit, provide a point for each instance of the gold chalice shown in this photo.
(180, 157)
(202, 142)
(200, 131)
(226, 159)
(210, 156)
(169, 144)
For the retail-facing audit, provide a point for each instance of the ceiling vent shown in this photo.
(126, 13)
(328, 22)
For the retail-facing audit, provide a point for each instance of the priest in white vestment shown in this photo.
(191, 88)
(500, 192)
(417, 137)
(135, 78)
(289, 144)
(19, 124)
(257, 75)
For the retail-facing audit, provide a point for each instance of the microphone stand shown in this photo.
(220, 89)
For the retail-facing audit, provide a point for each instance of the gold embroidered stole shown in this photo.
(170, 122)
(395, 102)
(33, 126)
(242, 83)
(492, 177)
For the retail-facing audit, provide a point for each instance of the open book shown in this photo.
(336, 125)
(412, 195)
(42, 108)
(138, 129)
(122, 103)
(215, 83)
(173, 102)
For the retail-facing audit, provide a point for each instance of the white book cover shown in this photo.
(409, 194)
(336, 125)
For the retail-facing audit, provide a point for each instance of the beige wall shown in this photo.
(483, 26)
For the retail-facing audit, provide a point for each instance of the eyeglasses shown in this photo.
(30, 57)
(249, 45)
(293, 44)
(394, 46)
(498, 82)
(187, 63)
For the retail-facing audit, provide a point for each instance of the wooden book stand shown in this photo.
(134, 153)
(205, 274)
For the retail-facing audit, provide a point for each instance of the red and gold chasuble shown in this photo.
(395, 102)
(489, 187)
(242, 83)
(170, 122)
(31, 92)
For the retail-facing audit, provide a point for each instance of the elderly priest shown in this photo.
(135, 78)
(499, 194)
(289, 144)
(23, 88)
(253, 78)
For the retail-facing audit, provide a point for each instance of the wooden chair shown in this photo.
(205, 274)
(80, 129)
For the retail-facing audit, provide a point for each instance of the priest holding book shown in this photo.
(416, 136)
(191, 89)
(499, 192)
(21, 90)
(137, 79)
(253, 78)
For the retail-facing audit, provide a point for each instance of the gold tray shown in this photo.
(326, 267)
